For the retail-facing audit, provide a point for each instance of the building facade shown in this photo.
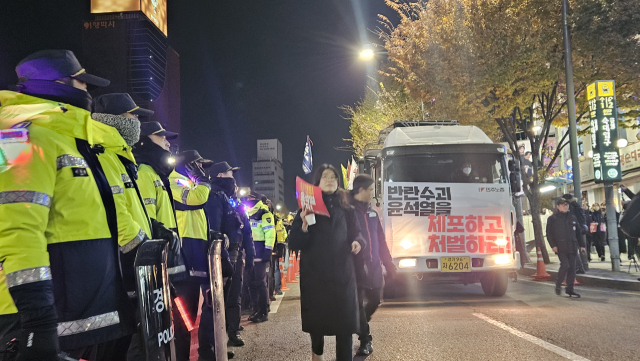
(267, 170)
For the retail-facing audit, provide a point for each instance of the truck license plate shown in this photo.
(455, 264)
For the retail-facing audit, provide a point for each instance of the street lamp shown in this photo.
(622, 143)
(367, 54)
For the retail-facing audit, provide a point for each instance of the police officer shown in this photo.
(60, 254)
(279, 251)
(222, 221)
(190, 189)
(563, 235)
(245, 256)
(156, 163)
(264, 237)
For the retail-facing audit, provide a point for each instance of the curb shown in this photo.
(590, 280)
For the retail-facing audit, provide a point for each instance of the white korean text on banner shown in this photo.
(436, 219)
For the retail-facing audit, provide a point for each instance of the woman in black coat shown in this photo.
(328, 293)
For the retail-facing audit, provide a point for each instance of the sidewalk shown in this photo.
(598, 275)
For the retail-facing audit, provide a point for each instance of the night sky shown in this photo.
(249, 69)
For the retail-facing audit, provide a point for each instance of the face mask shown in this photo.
(129, 128)
(596, 208)
(466, 170)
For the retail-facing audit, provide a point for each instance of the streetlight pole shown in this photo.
(571, 103)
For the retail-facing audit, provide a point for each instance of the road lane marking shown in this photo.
(544, 344)
(276, 304)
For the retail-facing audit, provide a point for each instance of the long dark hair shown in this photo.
(341, 193)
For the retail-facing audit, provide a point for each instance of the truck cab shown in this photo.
(444, 193)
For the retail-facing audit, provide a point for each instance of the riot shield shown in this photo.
(154, 301)
(217, 293)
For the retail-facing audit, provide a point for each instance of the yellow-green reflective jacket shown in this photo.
(155, 197)
(133, 224)
(189, 200)
(262, 225)
(54, 227)
(281, 232)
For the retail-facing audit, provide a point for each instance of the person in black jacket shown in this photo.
(598, 237)
(576, 211)
(328, 290)
(370, 283)
(244, 259)
(563, 237)
(222, 221)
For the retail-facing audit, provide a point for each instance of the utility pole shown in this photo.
(612, 227)
(571, 103)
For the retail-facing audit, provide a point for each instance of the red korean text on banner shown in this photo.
(310, 197)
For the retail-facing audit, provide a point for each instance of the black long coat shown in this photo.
(599, 237)
(328, 293)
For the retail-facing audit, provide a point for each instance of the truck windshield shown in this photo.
(446, 168)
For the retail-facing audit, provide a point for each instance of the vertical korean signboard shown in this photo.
(604, 131)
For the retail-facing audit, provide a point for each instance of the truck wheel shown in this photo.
(495, 284)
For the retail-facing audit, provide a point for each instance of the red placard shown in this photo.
(310, 197)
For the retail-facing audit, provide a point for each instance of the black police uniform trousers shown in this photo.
(567, 269)
(258, 287)
(372, 296)
(234, 296)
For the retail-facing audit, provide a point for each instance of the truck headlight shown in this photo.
(407, 263)
(406, 244)
(502, 259)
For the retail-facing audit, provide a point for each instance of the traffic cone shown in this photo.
(297, 263)
(283, 278)
(541, 272)
(291, 272)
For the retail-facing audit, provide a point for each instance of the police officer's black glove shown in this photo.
(196, 173)
(162, 232)
(38, 338)
(248, 263)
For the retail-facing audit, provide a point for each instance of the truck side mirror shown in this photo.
(513, 167)
(514, 179)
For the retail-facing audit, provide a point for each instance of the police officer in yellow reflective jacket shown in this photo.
(155, 165)
(58, 218)
(279, 252)
(190, 190)
(264, 238)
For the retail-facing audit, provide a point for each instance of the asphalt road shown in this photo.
(456, 322)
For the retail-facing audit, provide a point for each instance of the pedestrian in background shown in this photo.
(328, 290)
(563, 237)
(597, 229)
(370, 283)
(574, 208)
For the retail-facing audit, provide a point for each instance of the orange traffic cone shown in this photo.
(297, 263)
(291, 272)
(283, 278)
(541, 272)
